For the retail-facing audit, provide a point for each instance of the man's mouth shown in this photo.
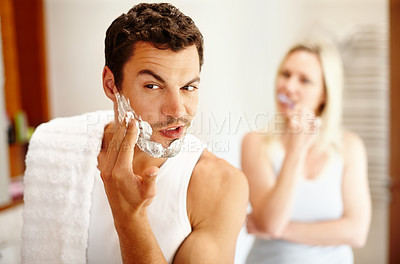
(173, 132)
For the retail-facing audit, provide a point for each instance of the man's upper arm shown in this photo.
(217, 202)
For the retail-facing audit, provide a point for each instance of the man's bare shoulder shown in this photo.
(216, 188)
(210, 167)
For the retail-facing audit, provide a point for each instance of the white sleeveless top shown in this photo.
(318, 199)
(167, 213)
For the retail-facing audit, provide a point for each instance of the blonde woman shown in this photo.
(308, 178)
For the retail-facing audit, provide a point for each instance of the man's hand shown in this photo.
(127, 193)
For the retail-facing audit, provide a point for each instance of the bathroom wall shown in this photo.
(4, 173)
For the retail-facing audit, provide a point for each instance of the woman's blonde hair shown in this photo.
(332, 70)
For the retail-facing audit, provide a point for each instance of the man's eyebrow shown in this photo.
(159, 78)
(149, 72)
(197, 79)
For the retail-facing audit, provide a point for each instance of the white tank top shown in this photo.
(316, 199)
(167, 213)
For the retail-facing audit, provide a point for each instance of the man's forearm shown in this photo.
(137, 241)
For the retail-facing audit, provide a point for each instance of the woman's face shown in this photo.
(300, 83)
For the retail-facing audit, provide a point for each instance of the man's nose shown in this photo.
(173, 104)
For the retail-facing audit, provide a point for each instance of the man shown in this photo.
(118, 203)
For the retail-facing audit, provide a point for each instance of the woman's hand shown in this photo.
(302, 129)
(252, 228)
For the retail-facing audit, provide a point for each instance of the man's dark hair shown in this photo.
(162, 24)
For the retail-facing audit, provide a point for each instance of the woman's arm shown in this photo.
(271, 197)
(352, 228)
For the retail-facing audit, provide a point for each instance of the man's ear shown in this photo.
(109, 86)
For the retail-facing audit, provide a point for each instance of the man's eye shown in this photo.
(189, 88)
(152, 86)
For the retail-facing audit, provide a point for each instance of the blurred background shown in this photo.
(53, 55)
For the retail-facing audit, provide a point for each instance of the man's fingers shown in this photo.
(113, 148)
(126, 150)
(149, 182)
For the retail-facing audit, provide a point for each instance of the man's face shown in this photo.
(162, 87)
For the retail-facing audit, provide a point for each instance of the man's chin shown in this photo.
(167, 143)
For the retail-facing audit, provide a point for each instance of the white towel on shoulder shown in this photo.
(60, 165)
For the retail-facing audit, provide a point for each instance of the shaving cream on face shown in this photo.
(144, 141)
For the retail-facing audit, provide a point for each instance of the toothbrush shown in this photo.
(286, 100)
